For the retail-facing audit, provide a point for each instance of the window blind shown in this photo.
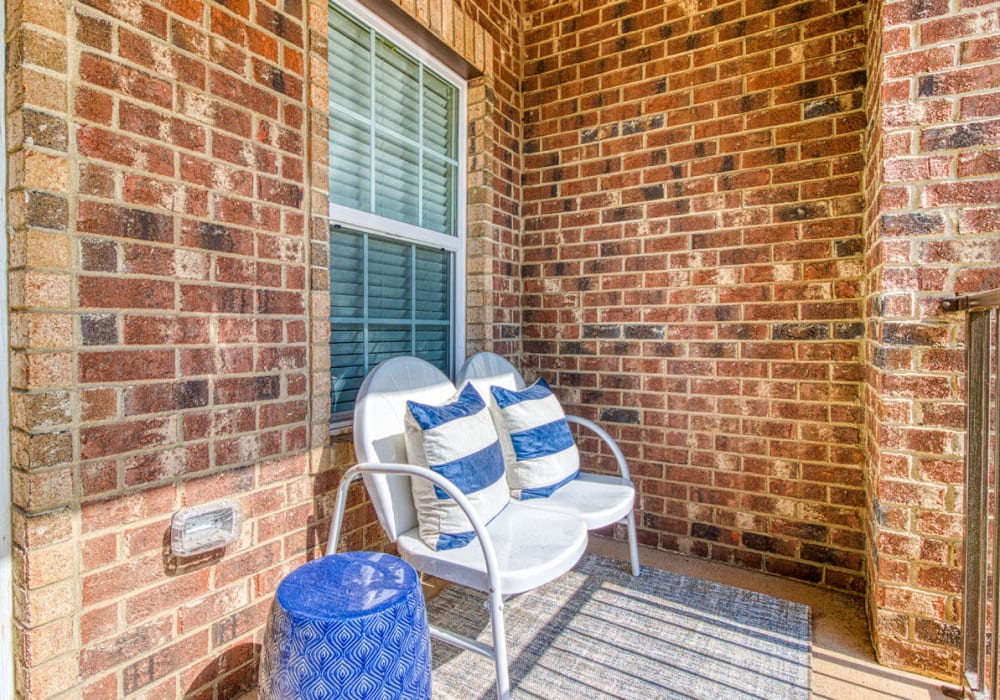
(393, 130)
(394, 157)
(387, 298)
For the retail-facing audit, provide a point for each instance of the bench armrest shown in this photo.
(359, 470)
(608, 440)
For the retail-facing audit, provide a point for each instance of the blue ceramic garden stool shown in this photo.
(350, 625)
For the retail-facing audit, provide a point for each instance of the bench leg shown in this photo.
(499, 645)
(633, 544)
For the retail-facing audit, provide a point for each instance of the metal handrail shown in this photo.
(972, 302)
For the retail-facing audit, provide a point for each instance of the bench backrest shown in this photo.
(379, 430)
(486, 369)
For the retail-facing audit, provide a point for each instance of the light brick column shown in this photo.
(44, 402)
(933, 230)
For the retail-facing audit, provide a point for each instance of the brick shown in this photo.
(119, 366)
(276, 302)
(214, 606)
(121, 509)
(216, 299)
(116, 148)
(165, 596)
(101, 72)
(282, 414)
(165, 330)
(101, 688)
(164, 661)
(239, 624)
(247, 448)
(240, 92)
(227, 360)
(102, 441)
(161, 398)
(47, 642)
(140, 638)
(166, 464)
(50, 678)
(109, 220)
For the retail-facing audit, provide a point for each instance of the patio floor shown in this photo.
(843, 663)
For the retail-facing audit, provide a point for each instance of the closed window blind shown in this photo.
(387, 298)
(393, 130)
(395, 242)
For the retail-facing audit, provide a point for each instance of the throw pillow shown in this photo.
(458, 441)
(538, 447)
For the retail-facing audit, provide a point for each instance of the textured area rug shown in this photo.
(597, 632)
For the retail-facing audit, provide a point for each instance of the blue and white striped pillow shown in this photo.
(459, 441)
(538, 447)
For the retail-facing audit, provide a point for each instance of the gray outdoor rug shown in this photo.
(597, 632)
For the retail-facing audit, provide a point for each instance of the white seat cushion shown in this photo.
(525, 559)
(457, 440)
(597, 499)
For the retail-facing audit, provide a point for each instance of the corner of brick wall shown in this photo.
(45, 566)
(932, 232)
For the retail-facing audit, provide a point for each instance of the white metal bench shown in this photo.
(520, 549)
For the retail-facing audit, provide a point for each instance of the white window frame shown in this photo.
(385, 227)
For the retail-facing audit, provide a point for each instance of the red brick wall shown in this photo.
(169, 300)
(693, 264)
(161, 336)
(665, 203)
(933, 230)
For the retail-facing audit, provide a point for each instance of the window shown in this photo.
(396, 203)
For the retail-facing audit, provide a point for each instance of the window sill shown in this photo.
(341, 428)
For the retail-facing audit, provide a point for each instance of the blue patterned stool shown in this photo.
(349, 625)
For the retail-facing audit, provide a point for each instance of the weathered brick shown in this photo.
(101, 72)
(166, 464)
(160, 398)
(46, 210)
(102, 441)
(115, 147)
(110, 220)
(117, 366)
(164, 661)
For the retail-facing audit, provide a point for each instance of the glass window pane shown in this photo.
(433, 300)
(397, 176)
(432, 345)
(350, 164)
(439, 192)
(389, 341)
(389, 279)
(393, 134)
(397, 90)
(347, 274)
(349, 60)
(439, 118)
(347, 343)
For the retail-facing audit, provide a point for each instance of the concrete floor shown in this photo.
(843, 663)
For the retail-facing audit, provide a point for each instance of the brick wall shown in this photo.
(933, 230)
(693, 264)
(169, 298)
(665, 203)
